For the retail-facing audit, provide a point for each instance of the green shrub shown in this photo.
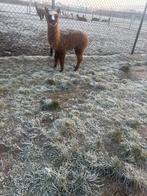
(50, 82)
(118, 136)
(125, 68)
(138, 154)
(49, 105)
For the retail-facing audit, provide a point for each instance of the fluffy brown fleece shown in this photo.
(62, 41)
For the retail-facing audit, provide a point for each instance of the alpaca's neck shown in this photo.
(54, 35)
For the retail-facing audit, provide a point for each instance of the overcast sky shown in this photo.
(115, 4)
(107, 3)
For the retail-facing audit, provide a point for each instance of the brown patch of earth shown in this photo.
(135, 73)
(143, 131)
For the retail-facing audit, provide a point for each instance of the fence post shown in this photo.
(139, 29)
(30, 4)
(53, 4)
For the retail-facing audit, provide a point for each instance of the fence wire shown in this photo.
(111, 26)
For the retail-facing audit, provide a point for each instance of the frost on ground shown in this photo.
(73, 133)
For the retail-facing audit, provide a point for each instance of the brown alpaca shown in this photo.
(40, 11)
(95, 19)
(106, 20)
(62, 41)
(83, 18)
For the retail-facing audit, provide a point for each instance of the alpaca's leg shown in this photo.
(79, 54)
(42, 15)
(56, 57)
(61, 59)
(51, 51)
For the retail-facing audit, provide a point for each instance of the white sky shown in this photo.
(107, 3)
(115, 4)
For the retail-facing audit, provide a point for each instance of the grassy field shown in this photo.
(73, 133)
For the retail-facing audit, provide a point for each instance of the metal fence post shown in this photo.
(53, 4)
(30, 4)
(139, 29)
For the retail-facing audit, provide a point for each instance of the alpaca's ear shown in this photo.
(58, 11)
(46, 11)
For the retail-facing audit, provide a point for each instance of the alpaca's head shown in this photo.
(52, 16)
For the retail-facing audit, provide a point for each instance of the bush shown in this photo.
(49, 105)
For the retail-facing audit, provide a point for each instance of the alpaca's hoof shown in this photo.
(75, 69)
(61, 70)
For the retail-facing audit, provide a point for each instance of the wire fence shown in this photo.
(111, 27)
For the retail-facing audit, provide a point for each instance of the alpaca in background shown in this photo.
(95, 19)
(67, 15)
(83, 18)
(40, 11)
(61, 41)
(106, 20)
